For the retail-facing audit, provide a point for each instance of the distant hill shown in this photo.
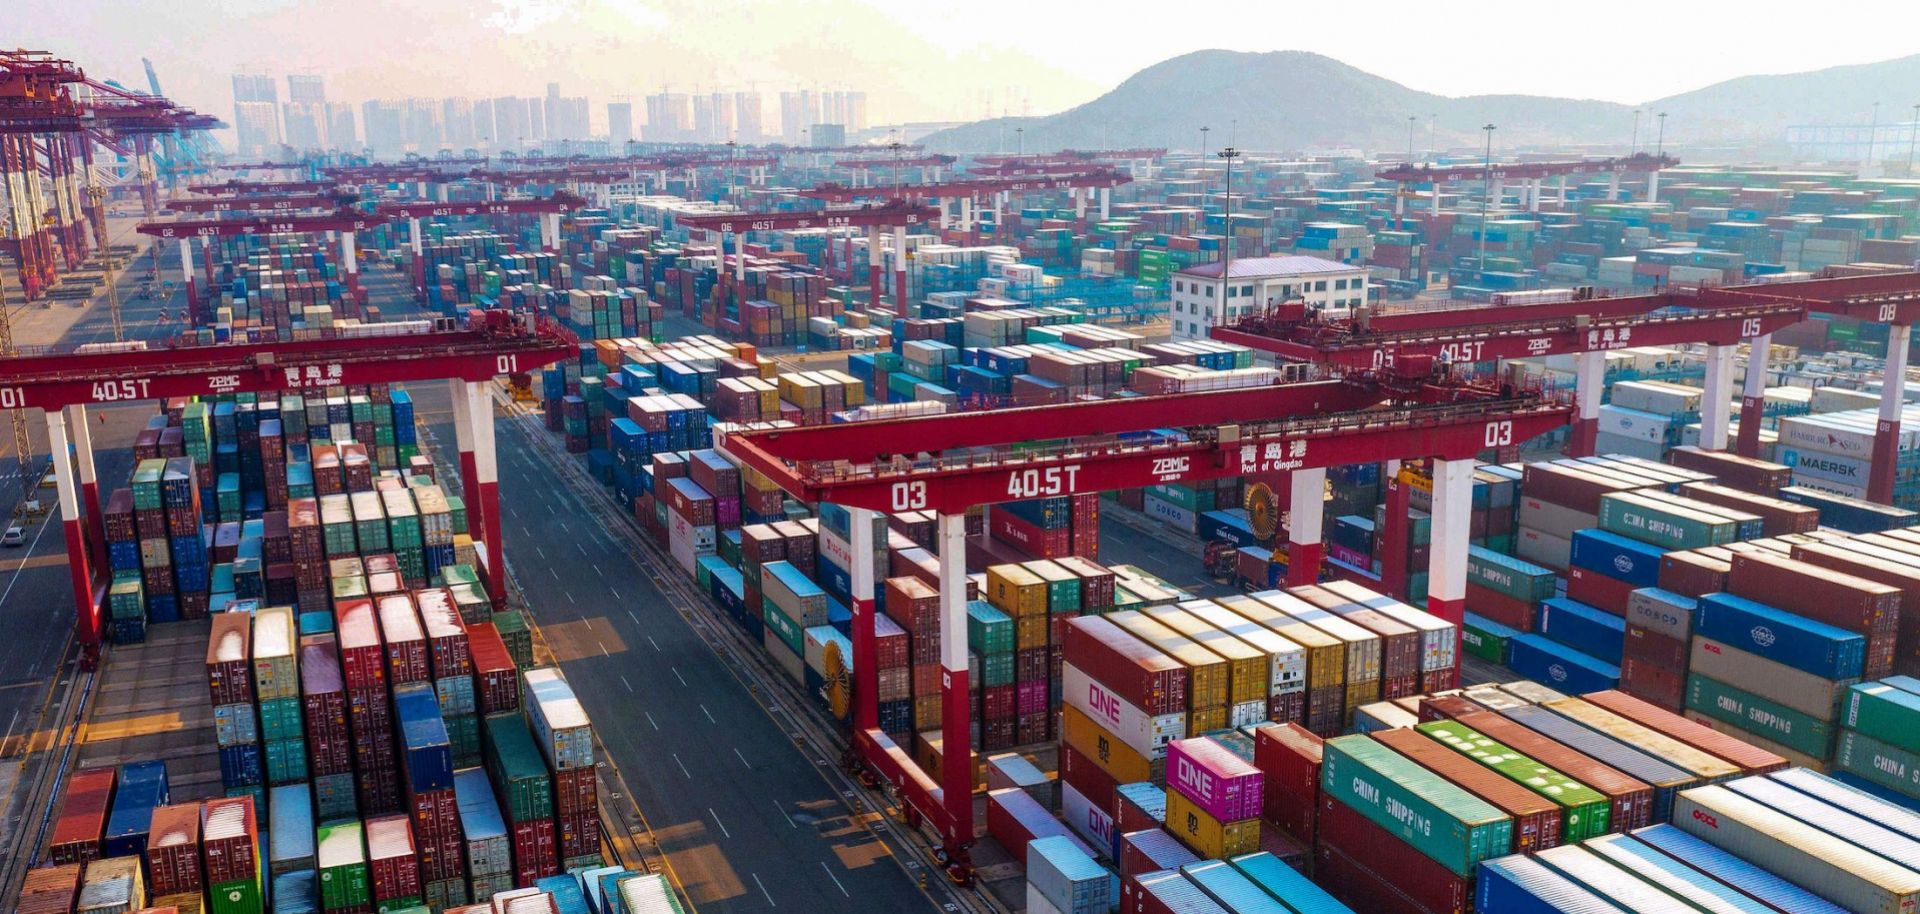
(1285, 100)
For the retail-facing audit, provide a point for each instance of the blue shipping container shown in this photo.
(1595, 632)
(1851, 515)
(1230, 525)
(1285, 884)
(1724, 866)
(141, 787)
(1522, 885)
(1617, 557)
(427, 754)
(1780, 636)
(1538, 658)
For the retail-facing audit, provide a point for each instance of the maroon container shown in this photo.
(228, 838)
(1780, 517)
(1842, 600)
(435, 813)
(1598, 591)
(83, 816)
(1288, 756)
(496, 681)
(576, 790)
(323, 701)
(173, 850)
(1327, 710)
(1745, 473)
(441, 858)
(447, 651)
(535, 850)
(392, 866)
(1146, 678)
(1579, 489)
(1151, 850)
(1654, 681)
(1536, 819)
(1084, 775)
(1692, 574)
(1440, 680)
(1629, 800)
(1750, 759)
(229, 659)
(1511, 612)
(362, 660)
(1887, 638)
(1447, 707)
(579, 834)
(1395, 876)
(406, 640)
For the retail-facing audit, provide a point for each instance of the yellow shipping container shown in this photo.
(1207, 836)
(1326, 655)
(1105, 750)
(1247, 680)
(1016, 591)
(856, 389)
(1030, 631)
(800, 391)
(1207, 673)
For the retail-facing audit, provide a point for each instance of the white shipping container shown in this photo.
(1841, 399)
(1655, 396)
(1813, 464)
(1093, 824)
(1542, 548)
(1850, 876)
(566, 737)
(1140, 731)
(1166, 512)
(1609, 443)
(1626, 422)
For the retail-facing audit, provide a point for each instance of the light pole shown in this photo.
(1203, 143)
(1411, 119)
(1020, 134)
(896, 146)
(1913, 135)
(1486, 197)
(1634, 149)
(1660, 144)
(1433, 133)
(1226, 244)
(1873, 128)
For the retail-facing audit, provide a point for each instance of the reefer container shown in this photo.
(1750, 879)
(1125, 666)
(566, 738)
(1441, 820)
(1844, 873)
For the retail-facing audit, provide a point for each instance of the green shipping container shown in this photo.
(996, 669)
(280, 719)
(1654, 521)
(515, 766)
(513, 630)
(1760, 716)
(238, 897)
(1483, 643)
(1440, 820)
(1884, 764)
(463, 734)
(1885, 712)
(787, 630)
(1585, 813)
(342, 855)
(1504, 574)
(989, 631)
(286, 761)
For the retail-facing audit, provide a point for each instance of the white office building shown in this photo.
(1256, 282)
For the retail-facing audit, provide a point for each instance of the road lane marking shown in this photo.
(650, 719)
(683, 765)
(10, 725)
(596, 570)
(836, 879)
(716, 820)
(603, 647)
(581, 546)
(556, 574)
(543, 553)
(783, 811)
(624, 682)
(563, 526)
(656, 644)
(703, 710)
(763, 889)
(676, 675)
(570, 599)
(617, 596)
(742, 758)
(551, 511)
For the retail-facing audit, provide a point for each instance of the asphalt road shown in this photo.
(746, 818)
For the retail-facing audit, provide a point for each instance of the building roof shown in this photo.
(1259, 267)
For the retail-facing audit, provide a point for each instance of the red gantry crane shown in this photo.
(1587, 329)
(894, 214)
(65, 384)
(1530, 174)
(946, 464)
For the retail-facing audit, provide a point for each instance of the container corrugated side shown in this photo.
(1813, 783)
(1672, 876)
(1585, 812)
(1749, 759)
(1640, 786)
(1680, 755)
(1729, 868)
(1851, 876)
(1286, 884)
(1831, 819)
(1444, 822)
(1522, 885)
(1536, 820)
(1611, 883)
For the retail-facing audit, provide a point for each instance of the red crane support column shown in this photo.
(1886, 434)
(1589, 381)
(1393, 535)
(1305, 510)
(956, 724)
(866, 677)
(875, 287)
(86, 616)
(1716, 398)
(900, 270)
(487, 487)
(1753, 399)
(1452, 527)
(89, 486)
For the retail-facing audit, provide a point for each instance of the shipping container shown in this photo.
(1640, 786)
(1536, 820)
(1585, 812)
(1747, 758)
(1752, 880)
(1837, 870)
(1441, 820)
(1371, 870)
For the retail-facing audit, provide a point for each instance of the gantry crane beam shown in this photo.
(886, 215)
(936, 190)
(270, 202)
(556, 202)
(926, 161)
(263, 187)
(1428, 174)
(345, 220)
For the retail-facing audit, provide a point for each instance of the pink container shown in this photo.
(1031, 697)
(1219, 782)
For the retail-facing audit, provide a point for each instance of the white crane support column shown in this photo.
(1079, 203)
(866, 684)
(1562, 197)
(1589, 382)
(1716, 398)
(419, 239)
(900, 269)
(550, 231)
(1533, 195)
(486, 485)
(1613, 187)
(945, 213)
(1436, 200)
(966, 213)
(956, 762)
(186, 269)
(874, 284)
(1653, 187)
(1753, 396)
(86, 612)
(1452, 527)
(1106, 203)
(89, 484)
(1307, 493)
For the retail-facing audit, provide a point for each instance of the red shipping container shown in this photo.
(1630, 800)
(1447, 707)
(441, 858)
(1656, 648)
(173, 850)
(83, 816)
(1082, 774)
(1751, 759)
(1129, 816)
(405, 639)
(391, 863)
(496, 682)
(579, 834)
(1691, 574)
(576, 790)
(1536, 819)
(361, 659)
(1151, 850)
(998, 702)
(230, 659)
(1044, 544)
(1414, 882)
(436, 813)
(1886, 638)
(49, 890)
(889, 643)
(1598, 591)
(1030, 665)
(1511, 612)
(228, 838)
(323, 701)
(447, 651)
(1432, 681)
(1654, 682)
(1288, 755)
(1842, 600)
(913, 604)
(534, 850)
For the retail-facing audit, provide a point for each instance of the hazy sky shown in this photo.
(922, 60)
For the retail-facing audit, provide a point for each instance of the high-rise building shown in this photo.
(574, 119)
(306, 87)
(554, 119)
(669, 117)
(799, 111)
(483, 132)
(620, 124)
(423, 126)
(536, 120)
(256, 115)
(746, 117)
(305, 114)
(509, 122)
(456, 123)
(341, 134)
(385, 123)
(829, 135)
(856, 105)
